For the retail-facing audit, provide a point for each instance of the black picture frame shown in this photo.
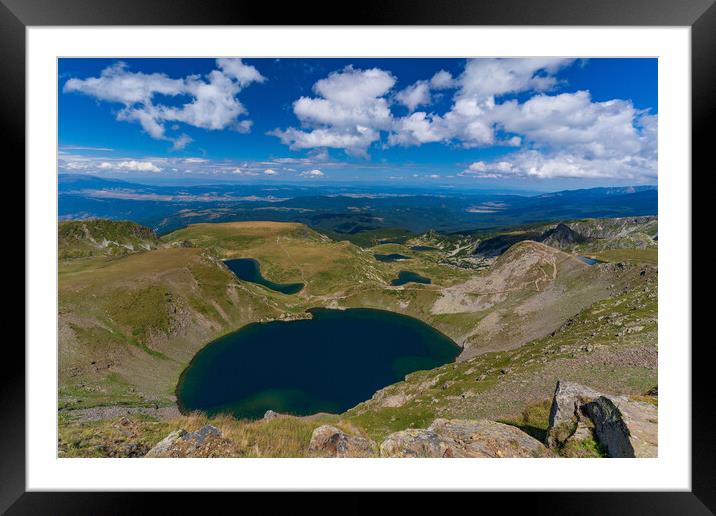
(700, 15)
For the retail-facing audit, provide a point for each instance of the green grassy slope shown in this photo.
(84, 238)
(611, 346)
(129, 325)
(130, 322)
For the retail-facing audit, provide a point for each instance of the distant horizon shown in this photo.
(530, 125)
(179, 182)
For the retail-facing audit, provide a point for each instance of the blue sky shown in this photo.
(538, 124)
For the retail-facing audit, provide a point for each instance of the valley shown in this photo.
(524, 309)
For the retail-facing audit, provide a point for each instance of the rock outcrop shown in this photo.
(208, 441)
(623, 427)
(396, 400)
(270, 415)
(562, 236)
(565, 415)
(329, 441)
(414, 442)
(463, 438)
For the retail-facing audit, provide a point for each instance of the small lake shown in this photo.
(423, 248)
(392, 257)
(409, 277)
(588, 260)
(248, 269)
(328, 363)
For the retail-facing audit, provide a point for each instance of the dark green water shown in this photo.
(392, 257)
(249, 269)
(423, 248)
(408, 277)
(326, 364)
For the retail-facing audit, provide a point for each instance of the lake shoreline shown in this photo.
(433, 346)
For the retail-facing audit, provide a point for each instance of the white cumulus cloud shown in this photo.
(519, 105)
(563, 164)
(558, 135)
(213, 103)
(132, 165)
(569, 135)
(349, 113)
(485, 78)
(415, 95)
(442, 80)
(312, 173)
(243, 73)
(181, 141)
(470, 121)
(419, 128)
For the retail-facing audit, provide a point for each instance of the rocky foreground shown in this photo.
(620, 426)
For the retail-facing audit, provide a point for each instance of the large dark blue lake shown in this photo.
(325, 364)
(249, 269)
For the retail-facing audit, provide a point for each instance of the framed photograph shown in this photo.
(430, 247)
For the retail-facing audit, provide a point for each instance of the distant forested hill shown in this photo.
(342, 212)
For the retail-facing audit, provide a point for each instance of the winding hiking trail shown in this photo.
(541, 258)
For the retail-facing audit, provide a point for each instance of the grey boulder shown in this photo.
(622, 426)
(463, 438)
(329, 441)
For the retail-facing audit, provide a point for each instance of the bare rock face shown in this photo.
(205, 442)
(609, 427)
(161, 449)
(623, 427)
(642, 421)
(626, 428)
(396, 400)
(565, 413)
(487, 439)
(329, 441)
(384, 398)
(414, 442)
(463, 438)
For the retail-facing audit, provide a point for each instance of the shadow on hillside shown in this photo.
(538, 433)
